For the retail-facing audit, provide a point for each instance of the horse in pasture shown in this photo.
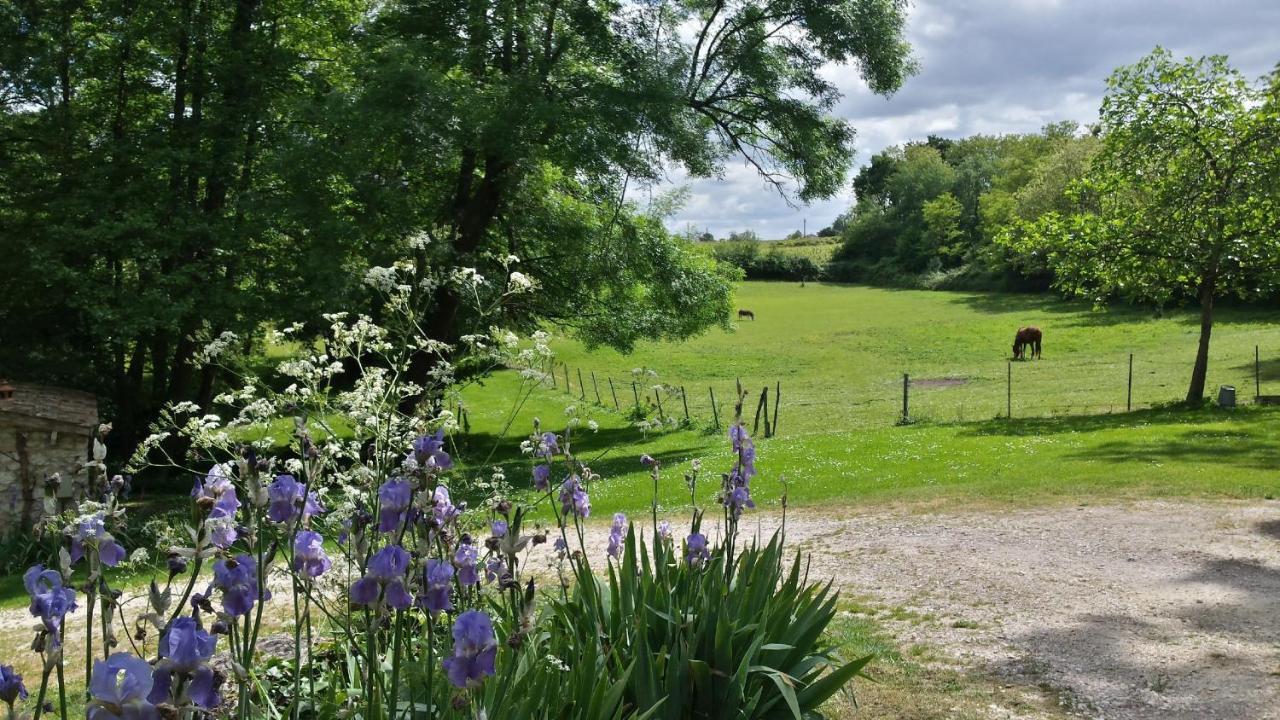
(1027, 337)
(746, 314)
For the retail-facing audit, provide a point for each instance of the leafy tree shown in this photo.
(1185, 190)
(942, 230)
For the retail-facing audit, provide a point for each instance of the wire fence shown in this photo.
(1007, 389)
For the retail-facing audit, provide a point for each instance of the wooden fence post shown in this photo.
(582, 387)
(614, 393)
(906, 408)
(685, 400)
(768, 431)
(595, 386)
(657, 399)
(777, 400)
(551, 370)
(764, 398)
(566, 379)
(715, 412)
(1128, 403)
(635, 393)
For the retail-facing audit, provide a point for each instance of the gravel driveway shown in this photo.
(1164, 610)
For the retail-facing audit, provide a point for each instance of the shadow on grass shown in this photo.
(1248, 417)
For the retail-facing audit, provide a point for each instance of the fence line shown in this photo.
(1075, 387)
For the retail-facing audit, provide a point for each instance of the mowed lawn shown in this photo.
(835, 348)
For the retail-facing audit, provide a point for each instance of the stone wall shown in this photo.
(28, 456)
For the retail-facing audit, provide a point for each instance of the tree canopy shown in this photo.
(176, 169)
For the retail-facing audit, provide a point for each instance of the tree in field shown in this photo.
(1184, 190)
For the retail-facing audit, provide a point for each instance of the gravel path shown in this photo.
(1149, 610)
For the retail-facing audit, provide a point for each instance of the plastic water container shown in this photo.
(1227, 396)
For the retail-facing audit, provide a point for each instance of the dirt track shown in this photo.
(1147, 610)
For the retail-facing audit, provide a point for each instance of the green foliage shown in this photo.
(1180, 199)
(929, 214)
(742, 642)
(774, 263)
(176, 170)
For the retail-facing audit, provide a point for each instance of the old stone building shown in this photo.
(43, 430)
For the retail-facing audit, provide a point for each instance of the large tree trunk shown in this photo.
(1195, 394)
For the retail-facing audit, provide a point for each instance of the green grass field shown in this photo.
(839, 353)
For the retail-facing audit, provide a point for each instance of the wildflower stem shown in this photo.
(297, 651)
(88, 637)
(393, 697)
(44, 687)
(62, 688)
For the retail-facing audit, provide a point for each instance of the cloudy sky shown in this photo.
(997, 66)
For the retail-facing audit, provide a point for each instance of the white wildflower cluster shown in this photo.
(518, 282)
(216, 348)
(557, 663)
(642, 373)
(358, 337)
(382, 279)
(237, 397)
(419, 240)
(467, 277)
(312, 370)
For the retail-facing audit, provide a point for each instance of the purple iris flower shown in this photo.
(494, 569)
(499, 528)
(562, 548)
(548, 445)
(119, 687)
(739, 499)
(385, 577)
(697, 553)
(573, 499)
(442, 508)
(647, 460)
(218, 490)
(394, 498)
(615, 535)
(738, 436)
(428, 451)
(308, 554)
(541, 477)
(50, 601)
(465, 558)
(475, 650)
(238, 581)
(664, 530)
(92, 534)
(11, 687)
(436, 581)
(287, 497)
(185, 651)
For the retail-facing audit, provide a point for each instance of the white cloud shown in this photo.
(997, 66)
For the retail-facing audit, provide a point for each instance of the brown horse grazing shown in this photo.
(1027, 336)
(746, 314)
